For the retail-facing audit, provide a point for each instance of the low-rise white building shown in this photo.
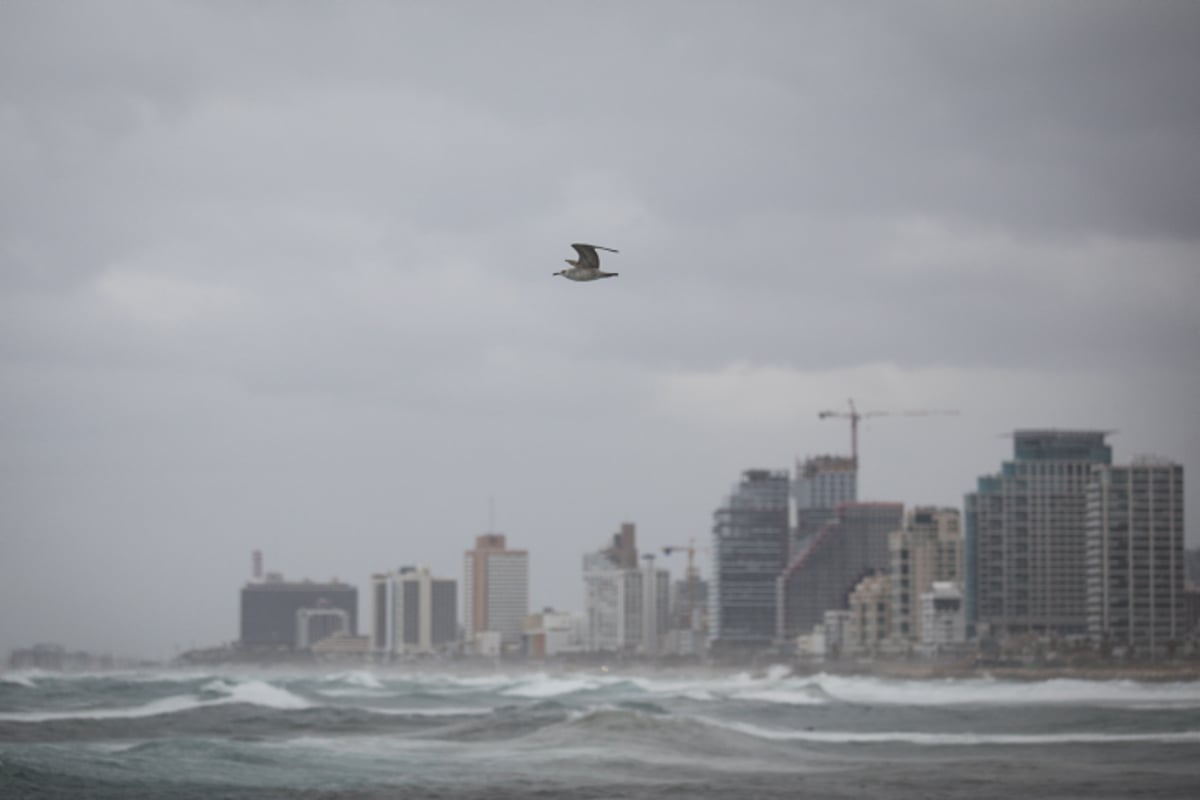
(486, 644)
(413, 613)
(836, 626)
(553, 633)
(943, 617)
(812, 646)
(870, 615)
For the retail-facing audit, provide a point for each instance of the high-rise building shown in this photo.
(844, 551)
(278, 614)
(626, 606)
(750, 547)
(623, 552)
(1025, 536)
(822, 484)
(613, 607)
(495, 589)
(413, 612)
(689, 603)
(656, 606)
(1135, 569)
(928, 549)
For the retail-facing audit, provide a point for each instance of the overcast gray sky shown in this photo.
(278, 275)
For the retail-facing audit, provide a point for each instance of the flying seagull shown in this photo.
(587, 266)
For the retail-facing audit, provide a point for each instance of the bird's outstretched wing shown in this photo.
(588, 256)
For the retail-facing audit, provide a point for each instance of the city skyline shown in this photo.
(299, 298)
(259, 566)
(895, 519)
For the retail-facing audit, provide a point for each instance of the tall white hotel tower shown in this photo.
(495, 589)
(412, 612)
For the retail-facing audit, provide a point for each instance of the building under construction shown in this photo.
(851, 547)
(822, 484)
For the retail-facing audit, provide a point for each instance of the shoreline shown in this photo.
(917, 670)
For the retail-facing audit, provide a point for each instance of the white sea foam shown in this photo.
(351, 692)
(167, 705)
(878, 691)
(254, 692)
(219, 685)
(543, 686)
(462, 684)
(953, 739)
(784, 696)
(465, 711)
(777, 686)
(25, 679)
(261, 693)
(359, 678)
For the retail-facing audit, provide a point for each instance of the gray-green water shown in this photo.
(590, 734)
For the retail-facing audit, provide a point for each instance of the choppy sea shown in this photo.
(406, 734)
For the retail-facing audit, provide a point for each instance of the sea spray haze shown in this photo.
(382, 734)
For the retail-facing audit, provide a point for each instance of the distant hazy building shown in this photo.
(495, 589)
(656, 606)
(1026, 539)
(1191, 613)
(316, 624)
(54, 657)
(626, 606)
(612, 594)
(487, 644)
(274, 612)
(689, 603)
(835, 630)
(750, 547)
(341, 645)
(943, 617)
(870, 614)
(412, 612)
(1191, 566)
(553, 633)
(613, 607)
(1135, 570)
(622, 553)
(927, 550)
(822, 484)
(846, 550)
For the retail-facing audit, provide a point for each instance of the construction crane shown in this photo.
(855, 415)
(690, 549)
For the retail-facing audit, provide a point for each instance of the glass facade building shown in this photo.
(750, 548)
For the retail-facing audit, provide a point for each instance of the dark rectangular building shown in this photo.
(271, 610)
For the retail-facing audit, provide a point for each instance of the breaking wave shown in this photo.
(252, 692)
(951, 739)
